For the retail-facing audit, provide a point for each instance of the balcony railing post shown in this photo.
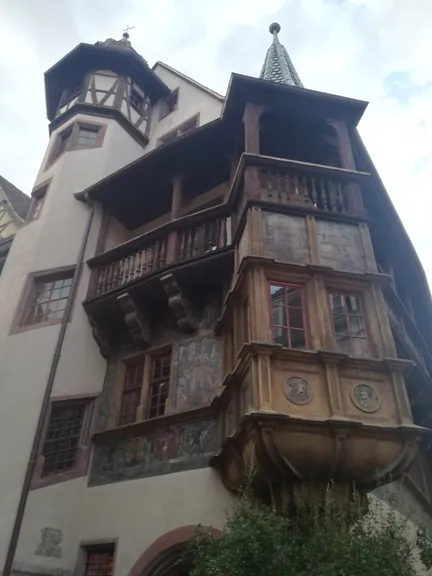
(172, 246)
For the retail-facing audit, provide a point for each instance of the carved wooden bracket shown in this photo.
(101, 336)
(135, 321)
(179, 304)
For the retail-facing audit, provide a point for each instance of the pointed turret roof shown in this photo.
(277, 65)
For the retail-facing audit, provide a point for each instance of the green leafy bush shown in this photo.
(318, 541)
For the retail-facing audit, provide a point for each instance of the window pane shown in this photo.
(336, 301)
(340, 324)
(62, 438)
(352, 304)
(279, 316)
(298, 339)
(294, 297)
(280, 336)
(357, 326)
(296, 318)
(343, 344)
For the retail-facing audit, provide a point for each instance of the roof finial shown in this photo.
(126, 31)
(275, 27)
(277, 64)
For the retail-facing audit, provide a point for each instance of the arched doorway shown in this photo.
(169, 555)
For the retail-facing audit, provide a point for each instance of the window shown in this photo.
(47, 299)
(132, 389)
(169, 104)
(63, 142)
(349, 327)
(87, 136)
(38, 199)
(159, 385)
(181, 130)
(76, 137)
(99, 560)
(71, 93)
(136, 100)
(62, 439)
(288, 318)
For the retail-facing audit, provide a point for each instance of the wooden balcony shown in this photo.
(288, 182)
(187, 239)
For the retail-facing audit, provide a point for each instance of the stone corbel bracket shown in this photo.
(179, 304)
(135, 320)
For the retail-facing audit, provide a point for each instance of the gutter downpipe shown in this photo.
(10, 555)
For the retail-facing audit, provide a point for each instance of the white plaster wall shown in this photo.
(192, 100)
(135, 512)
(51, 241)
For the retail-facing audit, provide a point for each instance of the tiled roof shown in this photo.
(277, 65)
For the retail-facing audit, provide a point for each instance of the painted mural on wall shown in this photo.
(182, 446)
(197, 372)
(50, 543)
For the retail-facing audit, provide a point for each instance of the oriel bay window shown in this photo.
(288, 315)
(349, 326)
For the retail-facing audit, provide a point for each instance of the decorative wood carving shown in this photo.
(179, 304)
(101, 337)
(136, 323)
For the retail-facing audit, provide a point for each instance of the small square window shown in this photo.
(87, 136)
(136, 100)
(62, 438)
(99, 560)
(38, 199)
(63, 142)
(288, 315)
(159, 385)
(169, 104)
(47, 299)
(132, 388)
(349, 326)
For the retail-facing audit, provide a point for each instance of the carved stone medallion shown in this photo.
(297, 390)
(365, 398)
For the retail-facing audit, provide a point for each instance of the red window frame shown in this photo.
(351, 318)
(132, 389)
(159, 385)
(288, 327)
(99, 560)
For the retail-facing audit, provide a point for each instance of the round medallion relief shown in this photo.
(297, 390)
(365, 398)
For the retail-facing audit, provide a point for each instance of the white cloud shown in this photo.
(348, 47)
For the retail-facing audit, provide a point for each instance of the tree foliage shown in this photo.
(319, 541)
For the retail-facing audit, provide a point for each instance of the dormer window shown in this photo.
(136, 100)
(169, 104)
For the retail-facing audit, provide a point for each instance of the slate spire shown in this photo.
(277, 65)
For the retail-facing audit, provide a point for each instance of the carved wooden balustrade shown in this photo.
(289, 182)
(176, 242)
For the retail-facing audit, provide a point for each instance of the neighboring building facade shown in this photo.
(14, 206)
(204, 283)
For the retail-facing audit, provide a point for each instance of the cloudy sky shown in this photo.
(376, 50)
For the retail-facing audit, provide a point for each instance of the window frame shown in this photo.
(360, 296)
(138, 108)
(38, 197)
(305, 315)
(164, 112)
(81, 465)
(138, 360)
(73, 130)
(94, 545)
(177, 132)
(154, 381)
(18, 322)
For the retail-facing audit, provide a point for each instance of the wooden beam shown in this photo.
(177, 196)
(251, 120)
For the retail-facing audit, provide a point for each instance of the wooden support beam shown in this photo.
(177, 196)
(179, 304)
(135, 320)
(251, 120)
